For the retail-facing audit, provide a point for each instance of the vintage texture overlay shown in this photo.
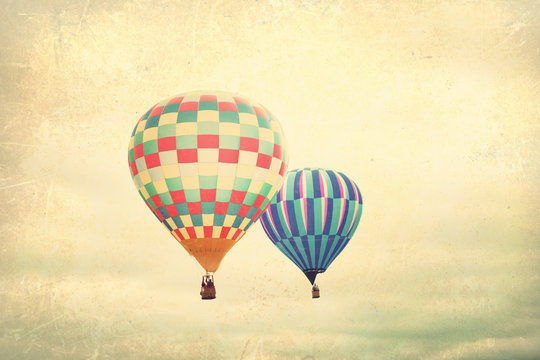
(431, 107)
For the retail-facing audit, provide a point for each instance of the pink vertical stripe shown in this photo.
(301, 184)
(340, 183)
(343, 197)
(356, 197)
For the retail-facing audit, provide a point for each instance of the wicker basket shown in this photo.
(208, 292)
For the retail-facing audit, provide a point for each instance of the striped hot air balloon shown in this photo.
(313, 217)
(207, 164)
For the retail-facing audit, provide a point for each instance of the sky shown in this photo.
(432, 108)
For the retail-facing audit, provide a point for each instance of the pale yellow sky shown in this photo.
(432, 108)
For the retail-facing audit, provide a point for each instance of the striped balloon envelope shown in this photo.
(207, 164)
(313, 217)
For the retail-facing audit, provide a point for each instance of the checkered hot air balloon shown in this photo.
(207, 164)
(312, 218)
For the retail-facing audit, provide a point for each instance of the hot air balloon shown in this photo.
(207, 164)
(312, 218)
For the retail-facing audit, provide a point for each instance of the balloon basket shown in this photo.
(315, 294)
(208, 293)
(208, 289)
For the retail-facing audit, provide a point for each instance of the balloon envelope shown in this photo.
(207, 164)
(313, 217)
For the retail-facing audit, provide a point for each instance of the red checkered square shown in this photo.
(208, 141)
(134, 170)
(178, 197)
(237, 197)
(156, 111)
(152, 160)
(264, 161)
(259, 200)
(278, 151)
(227, 106)
(171, 209)
(189, 106)
(282, 169)
(244, 209)
(138, 151)
(191, 232)
(157, 201)
(208, 195)
(221, 208)
(249, 144)
(176, 100)
(167, 143)
(224, 231)
(187, 155)
(228, 156)
(194, 208)
(208, 98)
(208, 231)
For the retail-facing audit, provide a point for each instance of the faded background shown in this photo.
(432, 107)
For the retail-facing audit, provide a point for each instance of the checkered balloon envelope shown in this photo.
(313, 217)
(207, 164)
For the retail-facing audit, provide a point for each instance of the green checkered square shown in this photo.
(150, 147)
(196, 219)
(187, 116)
(250, 199)
(229, 142)
(219, 219)
(264, 122)
(208, 105)
(186, 142)
(233, 209)
(241, 184)
(166, 130)
(223, 195)
(193, 195)
(138, 138)
(266, 147)
(150, 189)
(208, 182)
(166, 198)
(278, 140)
(182, 208)
(229, 116)
(207, 207)
(249, 131)
(174, 184)
(244, 108)
(265, 189)
(171, 108)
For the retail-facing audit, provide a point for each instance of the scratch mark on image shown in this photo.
(15, 185)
